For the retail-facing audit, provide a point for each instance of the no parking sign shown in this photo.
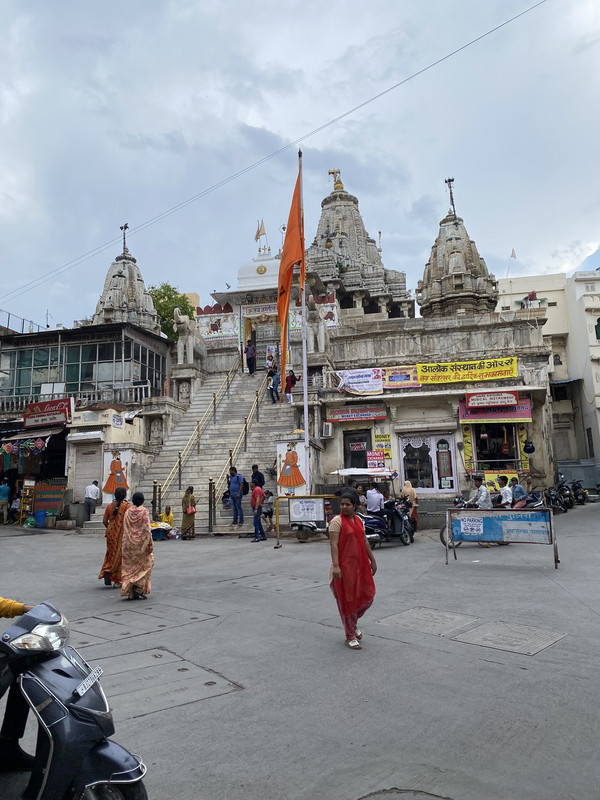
(505, 526)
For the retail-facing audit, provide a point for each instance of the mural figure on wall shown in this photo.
(117, 478)
(290, 476)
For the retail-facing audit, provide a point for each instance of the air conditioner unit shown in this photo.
(327, 430)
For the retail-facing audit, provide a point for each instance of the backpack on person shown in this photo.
(245, 486)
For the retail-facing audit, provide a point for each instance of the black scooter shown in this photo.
(401, 528)
(74, 758)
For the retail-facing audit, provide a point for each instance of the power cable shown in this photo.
(163, 215)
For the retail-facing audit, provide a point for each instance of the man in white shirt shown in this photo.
(375, 501)
(92, 495)
(505, 499)
(481, 498)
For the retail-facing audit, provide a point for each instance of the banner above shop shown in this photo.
(492, 399)
(400, 377)
(374, 380)
(462, 371)
(519, 413)
(360, 381)
(356, 413)
(48, 412)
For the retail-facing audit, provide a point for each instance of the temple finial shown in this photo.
(449, 182)
(338, 186)
(124, 228)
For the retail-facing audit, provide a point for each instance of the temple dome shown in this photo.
(124, 297)
(261, 272)
(456, 278)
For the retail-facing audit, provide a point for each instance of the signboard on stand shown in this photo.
(504, 526)
(375, 459)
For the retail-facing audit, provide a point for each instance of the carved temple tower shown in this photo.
(348, 261)
(124, 297)
(456, 280)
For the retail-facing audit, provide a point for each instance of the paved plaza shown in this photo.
(478, 680)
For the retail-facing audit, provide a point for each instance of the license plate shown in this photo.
(89, 681)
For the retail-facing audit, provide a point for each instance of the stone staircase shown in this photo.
(217, 438)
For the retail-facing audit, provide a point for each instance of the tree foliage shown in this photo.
(166, 298)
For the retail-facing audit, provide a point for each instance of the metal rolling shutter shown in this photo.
(88, 468)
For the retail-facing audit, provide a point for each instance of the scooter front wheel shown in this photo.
(115, 791)
(444, 537)
(405, 536)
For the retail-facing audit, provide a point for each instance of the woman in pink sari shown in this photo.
(138, 551)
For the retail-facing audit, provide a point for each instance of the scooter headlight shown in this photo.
(45, 638)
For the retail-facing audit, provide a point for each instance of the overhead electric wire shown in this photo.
(33, 284)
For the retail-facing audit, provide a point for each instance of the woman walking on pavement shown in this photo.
(188, 503)
(113, 522)
(352, 567)
(138, 551)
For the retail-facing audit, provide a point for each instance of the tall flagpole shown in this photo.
(304, 359)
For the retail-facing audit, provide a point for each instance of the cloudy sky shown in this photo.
(119, 112)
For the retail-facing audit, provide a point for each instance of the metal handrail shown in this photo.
(211, 410)
(217, 487)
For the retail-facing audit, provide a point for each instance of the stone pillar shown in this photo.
(358, 299)
(383, 305)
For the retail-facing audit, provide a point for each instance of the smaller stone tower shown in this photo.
(456, 279)
(124, 297)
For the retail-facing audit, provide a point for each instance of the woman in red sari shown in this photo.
(352, 567)
(138, 551)
(113, 522)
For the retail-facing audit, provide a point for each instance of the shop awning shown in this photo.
(32, 433)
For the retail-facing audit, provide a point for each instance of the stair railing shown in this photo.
(184, 454)
(217, 486)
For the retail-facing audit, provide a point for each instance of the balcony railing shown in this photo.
(126, 395)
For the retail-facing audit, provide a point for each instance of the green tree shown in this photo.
(166, 298)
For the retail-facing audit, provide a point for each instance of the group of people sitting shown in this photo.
(512, 494)
(380, 503)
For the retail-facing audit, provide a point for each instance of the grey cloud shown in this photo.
(173, 141)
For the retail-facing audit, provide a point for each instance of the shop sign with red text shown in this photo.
(492, 399)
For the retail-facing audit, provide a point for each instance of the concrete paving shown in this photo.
(233, 682)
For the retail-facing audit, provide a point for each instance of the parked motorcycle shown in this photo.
(74, 758)
(459, 502)
(554, 500)
(563, 488)
(579, 493)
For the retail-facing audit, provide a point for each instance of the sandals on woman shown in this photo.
(353, 644)
(358, 634)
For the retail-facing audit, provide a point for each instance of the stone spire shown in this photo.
(348, 261)
(456, 279)
(124, 297)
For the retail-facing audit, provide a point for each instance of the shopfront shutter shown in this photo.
(88, 468)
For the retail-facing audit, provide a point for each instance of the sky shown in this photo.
(123, 112)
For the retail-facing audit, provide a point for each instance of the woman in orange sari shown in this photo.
(138, 551)
(113, 522)
(352, 567)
